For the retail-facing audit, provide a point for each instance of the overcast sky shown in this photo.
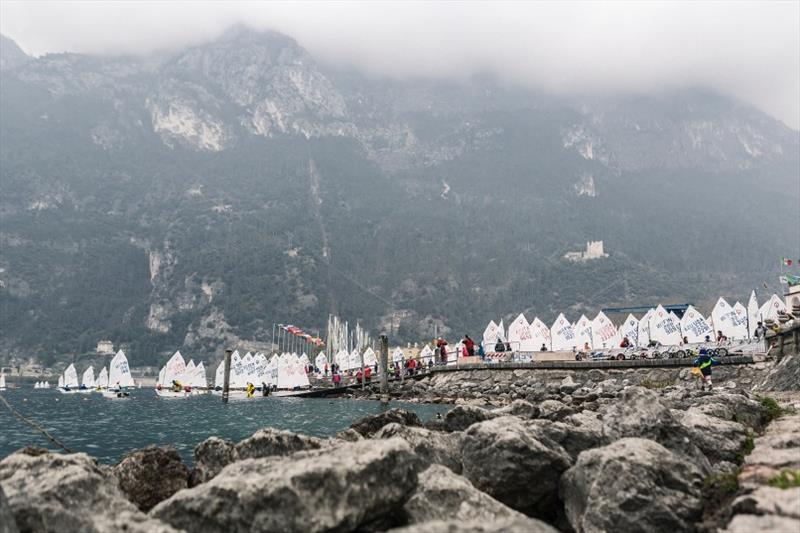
(748, 49)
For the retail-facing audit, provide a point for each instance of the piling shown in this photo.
(227, 380)
(384, 364)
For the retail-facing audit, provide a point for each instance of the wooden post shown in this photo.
(384, 364)
(226, 382)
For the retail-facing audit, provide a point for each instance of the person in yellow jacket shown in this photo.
(250, 389)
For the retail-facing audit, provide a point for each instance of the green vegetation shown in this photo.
(786, 479)
(774, 410)
(656, 384)
(722, 484)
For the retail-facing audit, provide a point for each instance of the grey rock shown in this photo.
(639, 413)
(151, 475)
(270, 441)
(443, 495)
(369, 425)
(554, 410)
(770, 500)
(431, 447)
(576, 433)
(747, 523)
(500, 525)
(350, 435)
(53, 492)
(461, 417)
(718, 439)
(210, 457)
(514, 463)
(520, 408)
(632, 485)
(358, 487)
(7, 522)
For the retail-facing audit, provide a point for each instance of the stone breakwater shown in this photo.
(632, 459)
(500, 386)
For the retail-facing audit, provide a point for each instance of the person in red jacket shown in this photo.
(469, 345)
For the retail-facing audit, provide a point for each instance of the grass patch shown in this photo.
(722, 484)
(774, 410)
(655, 384)
(786, 479)
(747, 448)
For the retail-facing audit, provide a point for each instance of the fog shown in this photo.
(748, 50)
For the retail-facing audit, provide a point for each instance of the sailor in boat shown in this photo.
(250, 389)
(176, 386)
(264, 389)
(66, 387)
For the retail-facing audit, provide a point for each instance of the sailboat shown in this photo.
(37, 385)
(87, 381)
(69, 381)
(101, 383)
(46, 385)
(119, 377)
(173, 371)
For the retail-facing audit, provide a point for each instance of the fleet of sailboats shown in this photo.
(735, 322)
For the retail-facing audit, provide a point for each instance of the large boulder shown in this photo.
(442, 495)
(515, 464)
(270, 441)
(521, 524)
(7, 522)
(576, 433)
(210, 457)
(461, 417)
(358, 487)
(770, 500)
(718, 439)
(369, 425)
(53, 492)
(520, 408)
(151, 475)
(632, 485)
(638, 412)
(431, 447)
(748, 523)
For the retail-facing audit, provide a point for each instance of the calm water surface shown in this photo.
(107, 429)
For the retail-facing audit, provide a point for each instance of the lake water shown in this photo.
(107, 429)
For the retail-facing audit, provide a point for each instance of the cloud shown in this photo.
(748, 49)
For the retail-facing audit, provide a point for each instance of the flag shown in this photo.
(782, 279)
(792, 280)
(787, 261)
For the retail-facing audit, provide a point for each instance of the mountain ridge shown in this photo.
(238, 183)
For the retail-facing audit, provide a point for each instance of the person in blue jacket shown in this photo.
(704, 362)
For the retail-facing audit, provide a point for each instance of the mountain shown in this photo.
(192, 199)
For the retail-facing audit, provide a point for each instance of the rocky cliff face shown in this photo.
(297, 190)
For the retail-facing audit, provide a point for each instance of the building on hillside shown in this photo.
(105, 347)
(594, 250)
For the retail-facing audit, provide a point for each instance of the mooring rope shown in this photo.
(34, 425)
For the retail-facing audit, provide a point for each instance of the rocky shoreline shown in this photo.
(632, 459)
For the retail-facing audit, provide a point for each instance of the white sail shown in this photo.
(61, 382)
(519, 335)
(583, 332)
(304, 360)
(88, 378)
(541, 334)
(370, 359)
(272, 371)
(342, 358)
(37, 385)
(562, 334)
(490, 335)
(753, 317)
(501, 332)
(725, 319)
(354, 360)
(663, 328)
(645, 327)
(46, 384)
(188, 373)
(219, 375)
(284, 372)
(739, 329)
(425, 354)
(199, 377)
(694, 326)
(770, 309)
(630, 329)
(604, 332)
(71, 377)
(299, 377)
(398, 355)
(162, 373)
(102, 379)
(173, 371)
(119, 373)
(320, 362)
(2, 381)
